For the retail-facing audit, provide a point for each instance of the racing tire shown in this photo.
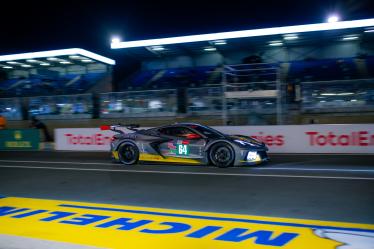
(128, 153)
(221, 155)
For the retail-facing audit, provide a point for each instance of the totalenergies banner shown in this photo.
(355, 138)
(83, 139)
(345, 138)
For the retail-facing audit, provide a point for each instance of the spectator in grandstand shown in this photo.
(2, 122)
(36, 123)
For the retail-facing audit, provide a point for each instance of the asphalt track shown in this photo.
(318, 187)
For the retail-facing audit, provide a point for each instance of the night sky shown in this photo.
(37, 26)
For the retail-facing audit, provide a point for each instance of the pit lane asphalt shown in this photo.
(325, 187)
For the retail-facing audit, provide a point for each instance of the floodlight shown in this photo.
(209, 49)
(275, 43)
(333, 18)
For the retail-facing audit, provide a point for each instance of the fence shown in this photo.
(138, 104)
(254, 103)
(11, 108)
(338, 96)
(61, 106)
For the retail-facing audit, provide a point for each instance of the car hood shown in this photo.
(248, 139)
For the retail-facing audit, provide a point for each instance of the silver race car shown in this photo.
(185, 143)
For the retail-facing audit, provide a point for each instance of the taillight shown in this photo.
(113, 138)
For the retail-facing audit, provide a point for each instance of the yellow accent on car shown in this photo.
(115, 154)
(158, 158)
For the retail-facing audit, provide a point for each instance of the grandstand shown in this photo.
(289, 71)
(282, 75)
(65, 71)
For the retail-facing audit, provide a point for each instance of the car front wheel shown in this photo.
(221, 155)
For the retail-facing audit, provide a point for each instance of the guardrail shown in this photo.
(138, 104)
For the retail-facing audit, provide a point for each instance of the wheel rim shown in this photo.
(128, 153)
(222, 155)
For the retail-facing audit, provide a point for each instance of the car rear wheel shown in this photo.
(128, 153)
(222, 155)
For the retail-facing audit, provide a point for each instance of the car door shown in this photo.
(184, 142)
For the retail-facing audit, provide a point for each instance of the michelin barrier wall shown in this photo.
(355, 138)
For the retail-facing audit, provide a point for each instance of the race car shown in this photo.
(184, 143)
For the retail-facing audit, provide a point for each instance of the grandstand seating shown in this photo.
(41, 85)
(297, 71)
(171, 78)
(322, 70)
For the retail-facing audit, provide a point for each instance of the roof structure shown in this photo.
(52, 58)
(273, 37)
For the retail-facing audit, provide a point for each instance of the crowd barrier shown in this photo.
(345, 138)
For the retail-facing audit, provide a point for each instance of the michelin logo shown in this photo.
(149, 226)
(349, 239)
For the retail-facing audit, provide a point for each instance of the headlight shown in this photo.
(252, 155)
(242, 142)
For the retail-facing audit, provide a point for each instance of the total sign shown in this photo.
(83, 139)
(355, 138)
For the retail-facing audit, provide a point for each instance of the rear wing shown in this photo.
(132, 127)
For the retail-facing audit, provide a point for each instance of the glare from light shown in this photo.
(345, 94)
(247, 33)
(12, 62)
(44, 64)
(65, 62)
(276, 43)
(353, 100)
(350, 38)
(7, 67)
(333, 19)
(329, 94)
(32, 61)
(252, 155)
(210, 49)
(290, 37)
(75, 57)
(86, 60)
(116, 40)
(157, 48)
(53, 59)
(220, 42)
(371, 30)
(26, 66)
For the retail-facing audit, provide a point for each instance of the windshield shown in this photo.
(206, 131)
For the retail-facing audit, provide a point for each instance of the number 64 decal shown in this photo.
(183, 149)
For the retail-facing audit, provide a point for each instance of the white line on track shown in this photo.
(54, 162)
(188, 173)
(318, 169)
(253, 168)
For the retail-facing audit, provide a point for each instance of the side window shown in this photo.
(165, 131)
(181, 132)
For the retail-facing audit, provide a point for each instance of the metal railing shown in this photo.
(338, 96)
(138, 104)
(11, 108)
(61, 106)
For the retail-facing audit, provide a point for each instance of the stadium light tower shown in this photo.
(333, 18)
(116, 40)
